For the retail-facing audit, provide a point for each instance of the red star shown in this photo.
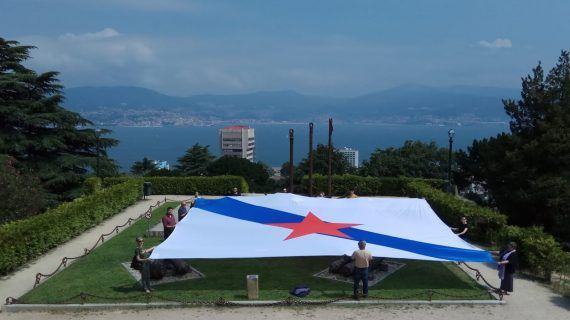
(312, 224)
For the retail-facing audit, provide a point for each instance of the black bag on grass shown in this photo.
(300, 291)
(136, 264)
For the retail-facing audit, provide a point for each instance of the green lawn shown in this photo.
(101, 273)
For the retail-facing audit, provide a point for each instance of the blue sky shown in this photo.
(340, 48)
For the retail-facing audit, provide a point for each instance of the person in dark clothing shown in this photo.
(461, 231)
(183, 210)
(168, 222)
(507, 265)
(142, 255)
(235, 192)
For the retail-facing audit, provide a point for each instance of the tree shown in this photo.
(195, 161)
(413, 159)
(255, 174)
(53, 143)
(143, 167)
(527, 172)
(21, 193)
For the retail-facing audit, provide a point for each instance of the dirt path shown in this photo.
(22, 280)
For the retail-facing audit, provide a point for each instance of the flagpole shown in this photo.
(330, 158)
(291, 167)
(311, 159)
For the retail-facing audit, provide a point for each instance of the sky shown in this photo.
(333, 48)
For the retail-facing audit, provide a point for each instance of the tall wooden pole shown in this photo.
(311, 159)
(291, 167)
(330, 158)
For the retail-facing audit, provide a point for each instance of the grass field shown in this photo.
(101, 273)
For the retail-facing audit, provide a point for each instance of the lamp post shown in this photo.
(329, 182)
(98, 146)
(450, 134)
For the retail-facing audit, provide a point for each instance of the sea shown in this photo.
(272, 140)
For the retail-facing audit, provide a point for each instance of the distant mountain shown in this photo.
(408, 103)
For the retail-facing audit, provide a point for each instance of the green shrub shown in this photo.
(366, 186)
(538, 251)
(484, 222)
(91, 185)
(23, 240)
(218, 185)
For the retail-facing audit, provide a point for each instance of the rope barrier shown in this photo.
(479, 276)
(85, 297)
(146, 215)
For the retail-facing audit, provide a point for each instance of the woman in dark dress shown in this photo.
(508, 264)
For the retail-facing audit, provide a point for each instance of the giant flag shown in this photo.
(286, 225)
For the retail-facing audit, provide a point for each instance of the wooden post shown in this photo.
(330, 158)
(311, 159)
(252, 287)
(291, 166)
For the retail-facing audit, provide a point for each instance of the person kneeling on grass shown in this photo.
(142, 256)
(362, 258)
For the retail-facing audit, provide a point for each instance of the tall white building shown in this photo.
(237, 141)
(351, 155)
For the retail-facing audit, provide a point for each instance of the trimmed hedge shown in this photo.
(23, 240)
(218, 185)
(366, 186)
(484, 222)
(538, 251)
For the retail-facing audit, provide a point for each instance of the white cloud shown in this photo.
(103, 34)
(496, 44)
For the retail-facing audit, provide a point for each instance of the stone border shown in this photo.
(153, 305)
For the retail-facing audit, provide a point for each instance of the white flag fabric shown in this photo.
(286, 225)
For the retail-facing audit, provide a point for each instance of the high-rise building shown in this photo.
(237, 141)
(351, 155)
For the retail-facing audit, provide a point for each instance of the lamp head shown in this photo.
(451, 133)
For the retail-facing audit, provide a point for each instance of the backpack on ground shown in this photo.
(300, 291)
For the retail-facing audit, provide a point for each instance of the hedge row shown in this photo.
(218, 185)
(366, 186)
(484, 222)
(23, 240)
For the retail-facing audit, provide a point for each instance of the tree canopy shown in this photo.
(55, 144)
(195, 161)
(320, 164)
(256, 174)
(143, 167)
(414, 159)
(527, 172)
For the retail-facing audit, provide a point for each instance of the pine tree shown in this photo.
(57, 145)
(195, 161)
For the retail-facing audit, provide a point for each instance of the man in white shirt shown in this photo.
(362, 258)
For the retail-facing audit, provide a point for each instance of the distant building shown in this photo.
(351, 155)
(161, 164)
(237, 141)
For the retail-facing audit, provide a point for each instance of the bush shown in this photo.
(218, 185)
(366, 186)
(538, 251)
(21, 241)
(91, 185)
(485, 223)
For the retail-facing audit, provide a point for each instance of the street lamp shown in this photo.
(450, 134)
(98, 146)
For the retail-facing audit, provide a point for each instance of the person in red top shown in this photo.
(168, 222)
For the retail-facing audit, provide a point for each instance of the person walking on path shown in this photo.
(168, 222)
(362, 258)
(142, 256)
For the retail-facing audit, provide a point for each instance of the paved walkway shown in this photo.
(22, 281)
